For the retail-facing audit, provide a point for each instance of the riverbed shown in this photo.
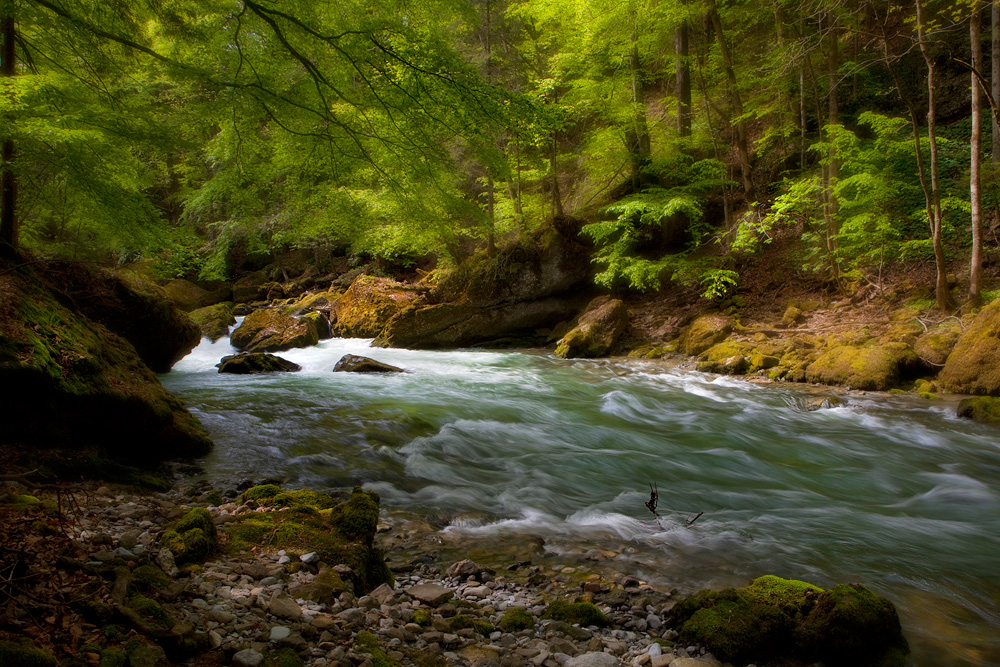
(891, 491)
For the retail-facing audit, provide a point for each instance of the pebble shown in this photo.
(248, 658)
(280, 632)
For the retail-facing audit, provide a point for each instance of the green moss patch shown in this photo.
(193, 538)
(983, 409)
(875, 368)
(973, 367)
(283, 657)
(24, 654)
(365, 642)
(515, 620)
(584, 613)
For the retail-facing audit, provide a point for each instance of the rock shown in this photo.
(382, 594)
(593, 659)
(464, 568)
(703, 333)
(214, 321)
(695, 662)
(368, 304)
(253, 363)
(147, 655)
(823, 403)
(279, 632)
(323, 328)
(984, 409)
(248, 658)
(598, 327)
(283, 606)
(792, 316)
(934, 347)
(221, 615)
(271, 330)
(973, 367)
(165, 559)
(353, 616)
(66, 365)
(352, 363)
(430, 594)
(875, 368)
(662, 660)
(188, 296)
(317, 302)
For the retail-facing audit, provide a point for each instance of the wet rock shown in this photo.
(214, 321)
(352, 363)
(368, 304)
(430, 594)
(598, 327)
(271, 330)
(983, 409)
(875, 368)
(703, 333)
(253, 363)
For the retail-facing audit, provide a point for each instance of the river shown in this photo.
(890, 491)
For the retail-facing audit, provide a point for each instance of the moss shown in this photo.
(422, 617)
(260, 493)
(113, 657)
(197, 518)
(365, 642)
(984, 409)
(517, 619)
(271, 330)
(368, 304)
(197, 545)
(602, 322)
(484, 628)
(461, 622)
(876, 368)
(584, 613)
(151, 611)
(424, 658)
(703, 333)
(24, 654)
(172, 540)
(214, 321)
(357, 518)
(283, 657)
(973, 367)
(149, 578)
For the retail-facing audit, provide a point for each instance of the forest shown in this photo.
(208, 137)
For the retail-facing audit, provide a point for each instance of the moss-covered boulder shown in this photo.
(24, 654)
(973, 367)
(74, 383)
(703, 333)
(984, 409)
(252, 363)
(517, 619)
(188, 296)
(343, 533)
(353, 363)
(193, 538)
(214, 321)
(271, 330)
(935, 346)
(316, 302)
(598, 327)
(130, 306)
(584, 613)
(368, 304)
(322, 323)
(871, 367)
(776, 619)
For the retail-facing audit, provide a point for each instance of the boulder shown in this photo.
(598, 327)
(934, 347)
(368, 304)
(973, 367)
(317, 302)
(323, 328)
(250, 287)
(430, 594)
(983, 409)
(131, 307)
(252, 363)
(214, 321)
(80, 384)
(188, 296)
(703, 333)
(874, 368)
(779, 620)
(271, 330)
(352, 363)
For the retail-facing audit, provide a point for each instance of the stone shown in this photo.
(703, 661)
(353, 363)
(271, 330)
(368, 304)
(463, 569)
(248, 658)
(214, 321)
(597, 329)
(430, 594)
(310, 557)
(221, 615)
(662, 660)
(973, 367)
(983, 409)
(873, 368)
(285, 607)
(323, 621)
(165, 559)
(129, 539)
(253, 363)
(703, 333)
(353, 616)
(382, 594)
(593, 659)
(280, 632)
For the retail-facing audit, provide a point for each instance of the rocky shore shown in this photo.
(110, 576)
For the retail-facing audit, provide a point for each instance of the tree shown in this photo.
(8, 196)
(976, 269)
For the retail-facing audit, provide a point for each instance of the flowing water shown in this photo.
(888, 491)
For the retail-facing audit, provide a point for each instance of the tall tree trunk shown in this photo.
(683, 81)
(742, 143)
(943, 296)
(638, 137)
(995, 73)
(976, 269)
(8, 196)
(557, 208)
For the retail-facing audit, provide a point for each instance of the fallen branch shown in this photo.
(691, 522)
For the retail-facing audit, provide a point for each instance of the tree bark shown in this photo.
(742, 144)
(638, 139)
(976, 268)
(942, 295)
(995, 72)
(8, 183)
(683, 81)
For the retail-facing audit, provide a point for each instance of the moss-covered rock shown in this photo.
(214, 321)
(271, 330)
(703, 333)
(343, 534)
(973, 367)
(24, 654)
(791, 316)
(192, 539)
(353, 363)
(322, 322)
(934, 347)
(516, 619)
(875, 367)
(776, 619)
(253, 363)
(584, 613)
(368, 304)
(598, 327)
(78, 384)
(984, 409)
(188, 296)
(317, 302)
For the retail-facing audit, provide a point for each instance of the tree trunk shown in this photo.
(995, 73)
(8, 196)
(943, 296)
(638, 139)
(683, 81)
(833, 118)
(742, 144)
(976, 268)
(557, 208)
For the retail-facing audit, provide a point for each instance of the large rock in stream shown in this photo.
(271, 330)
(352, 363)
(368, 304)
(254, 363)
(602, 322)
(73, 382)
(973, 367)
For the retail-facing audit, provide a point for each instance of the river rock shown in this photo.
(248, 658)
(973, 367)
(593, 659)
(285, 607)
(984, 409)
(430, 594)
(703, 333)
(214, 321)
(352, 363)
(271, 330)
(368, 304)
(874, 368)
(598, 327)
(252, 363)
